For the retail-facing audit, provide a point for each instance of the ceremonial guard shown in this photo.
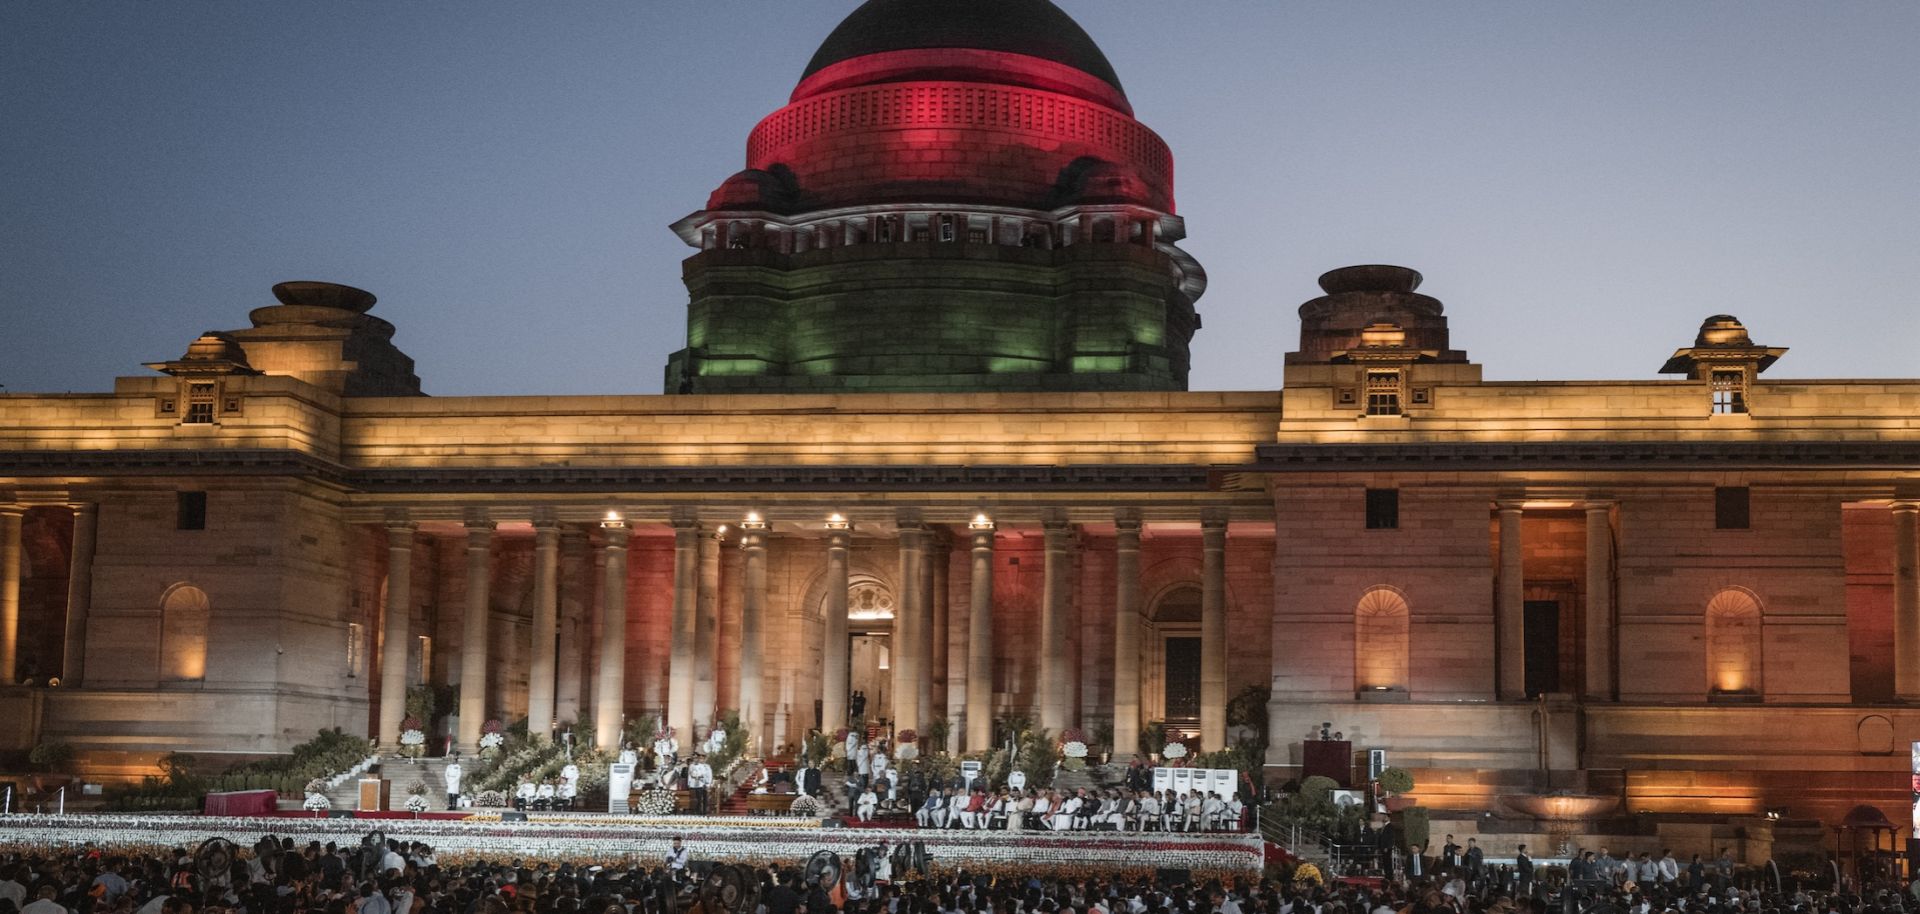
(700, 782)
(453, 782)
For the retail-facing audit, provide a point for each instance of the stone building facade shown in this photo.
(1698, 592)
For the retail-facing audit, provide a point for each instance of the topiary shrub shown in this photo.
(1396, 780)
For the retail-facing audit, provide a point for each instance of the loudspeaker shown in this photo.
(512, 816)
(1171, 877)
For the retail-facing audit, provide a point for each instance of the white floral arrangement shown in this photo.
(656, 802)
(491, 741)
(1174, 750)
(805, 806)
(1074, 749)
(417, 804)
(908, 753)
(413, 738)
(317, 802)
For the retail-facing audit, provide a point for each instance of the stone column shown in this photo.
(79, 595)
(686, 603)
(1126, 634)
(833, 648)
(926, 627)
(576, 585)
(979, 714)
(753, 609)
(397, 632)
(706, 633)
(1510, 609)
(1906, 602)
(1213, 632)
(11, 517)
(473, 637)
(1056, 598)
(542, 667)
(905, 640)
(610, 690)
(1600, 634)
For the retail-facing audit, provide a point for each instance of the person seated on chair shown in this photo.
(957, 809)
(1000, 809)
(868, 804)
(933, 813)
(1042, 812)
(1149, 812)
(523, 794)
(1065, 813)
(977, 812)
(544, 794)
(1213, 814)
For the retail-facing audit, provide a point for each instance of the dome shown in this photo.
(1022, 34)
(1035, 28)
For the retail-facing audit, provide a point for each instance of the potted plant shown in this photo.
(1395, 783)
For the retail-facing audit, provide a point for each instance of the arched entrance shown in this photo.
(870, 653)
(1172, 692)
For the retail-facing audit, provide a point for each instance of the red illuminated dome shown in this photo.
(1004, 29)
(979, 102)
(956, 197)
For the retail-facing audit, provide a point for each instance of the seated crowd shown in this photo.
(1112, 809)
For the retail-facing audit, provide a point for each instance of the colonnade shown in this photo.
(1510, 601)
(919, 636)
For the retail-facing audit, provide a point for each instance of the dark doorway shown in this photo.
(1183, 679)
(1543, 647)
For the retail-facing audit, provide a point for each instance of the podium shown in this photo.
(374, 793)
(1329, 758)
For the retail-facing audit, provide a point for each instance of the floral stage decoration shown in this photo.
(612, 840)
(1174, 750)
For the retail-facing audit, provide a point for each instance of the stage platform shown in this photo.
(643, 841)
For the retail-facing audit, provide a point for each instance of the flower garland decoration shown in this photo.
(610, 840)
(1174, 750)
(317, 802)
(1074, 749)
(656, 802)
(805, 806)
(413, 740)
(417, 804)
(1073, 735)
(1308, 874)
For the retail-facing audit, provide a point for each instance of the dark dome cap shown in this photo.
(1035, 28)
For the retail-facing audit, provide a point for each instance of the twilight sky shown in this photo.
(1581, 183)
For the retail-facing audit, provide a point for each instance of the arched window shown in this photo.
(183, 634)
(1382, 638)
(1733, 643)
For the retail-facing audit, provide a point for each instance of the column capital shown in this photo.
(546, 533)
(83, 507)
(13, 510)
(983, 539)
(1903, 506)
(1509, 505)
(479, 533)
(399, 532)
(614, 534)
(840, 539)
(1593, 506)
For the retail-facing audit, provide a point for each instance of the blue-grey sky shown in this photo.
(1581, 183)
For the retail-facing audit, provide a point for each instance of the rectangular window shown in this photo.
(976, 236)
(946, 228)
(426, 661)
(199, 404)
(190, 511)
(1729, 392)
(1383, 393)
(1731, 506)
(1383, 509)
(356, 649)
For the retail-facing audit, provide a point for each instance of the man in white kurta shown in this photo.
(454, 774)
